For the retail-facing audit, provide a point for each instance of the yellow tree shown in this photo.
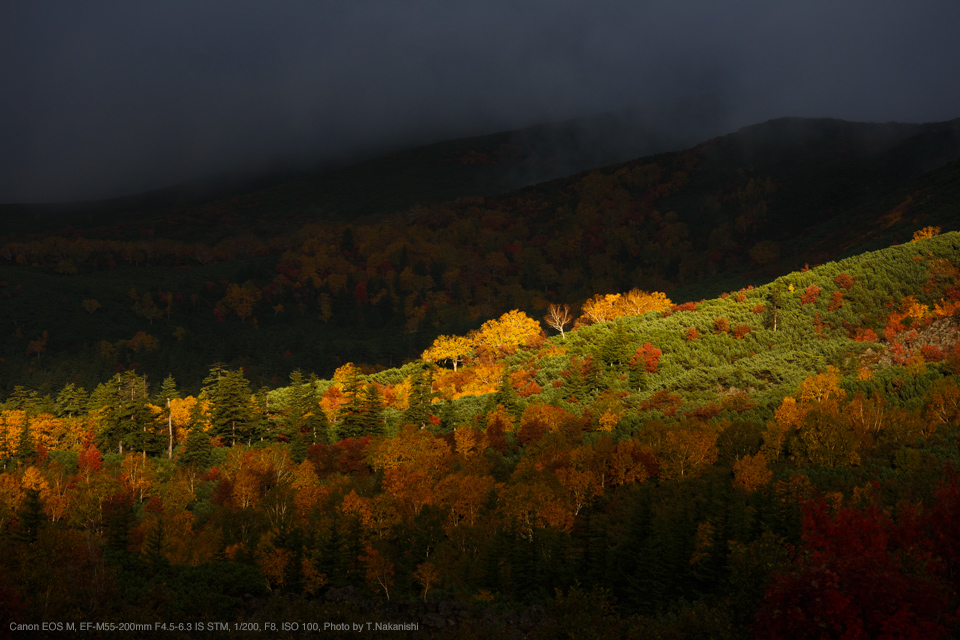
(603, 308)
(511, 330)
(600, 308)
(636, 302)
(452, 348)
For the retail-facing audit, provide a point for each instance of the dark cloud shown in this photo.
(102, 99)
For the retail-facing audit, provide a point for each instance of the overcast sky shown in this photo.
(100, 99)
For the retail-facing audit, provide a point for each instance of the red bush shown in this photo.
(810, 294)
(649, 355)
(741, 330)
(844, 280)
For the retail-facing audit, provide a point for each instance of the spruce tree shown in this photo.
(231, 416)
(304, 414)
(71, 401)
(26, 445)
(197, 450)
(371, 407)
(350, 423)
(421, 397)
(613, 351)
(506, 397)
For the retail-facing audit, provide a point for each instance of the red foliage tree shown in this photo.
(844, 280)
(810, 295)
(649, 355)
(865, 576)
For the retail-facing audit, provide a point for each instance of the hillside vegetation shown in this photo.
(272, 284)
(773, 462)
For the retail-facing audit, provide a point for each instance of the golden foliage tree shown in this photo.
(603, 308)
(450, 348)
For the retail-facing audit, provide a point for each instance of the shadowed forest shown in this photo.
(711, 393)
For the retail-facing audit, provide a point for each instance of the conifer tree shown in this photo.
(613, 351)
(231, 417)
(124, 416)
(26, 445)
(71, 401)
(506, 397)
(421, 397)
(304, 414)
(371, 407)
(197, 449)
(771, 315)
(350, 422)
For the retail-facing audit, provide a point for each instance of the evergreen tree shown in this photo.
(197, 449)
(231, 416)
(22, 400)
(506, 397)
(330, 554)
(613, 351)
(168, 391)
(118, 521)
(450, 417)
(154, 544)
(137, 423)
(26, 445)
(421, 397)
(350, 422)
(71, 401)
(125, 420)
(371, 408)
(774, 304)
(261, 425)
(304, 414)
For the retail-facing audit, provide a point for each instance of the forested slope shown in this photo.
(771, 462)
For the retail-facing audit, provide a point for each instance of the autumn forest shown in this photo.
(705, 394)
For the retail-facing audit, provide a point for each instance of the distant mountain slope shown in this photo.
(273, 203)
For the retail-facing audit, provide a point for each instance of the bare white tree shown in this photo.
(558, 317)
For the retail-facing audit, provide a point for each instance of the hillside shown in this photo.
(277, 295)
(660, 469)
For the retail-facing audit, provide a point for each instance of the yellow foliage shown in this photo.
(452, 348)
(180, 411)
(547, 415)
(603, 308)
(609, 420)
(926, 232)
(512, 329)
(822, 387)
(470, 442)
(11, 424)
(944, 308)
(46, 430)
(344, 374)
(33, 480)
(411, 447)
